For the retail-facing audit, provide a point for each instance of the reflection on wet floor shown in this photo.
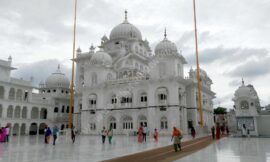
(85, 148)
(233, 150)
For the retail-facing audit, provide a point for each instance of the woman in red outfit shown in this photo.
(218, 131)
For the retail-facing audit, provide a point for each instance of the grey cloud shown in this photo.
(40, 70)
(227, 55)
(251, 69)
(235, 83)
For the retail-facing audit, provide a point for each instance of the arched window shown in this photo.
(112, 122)
(19, 95)
(162, 94)
(92, 101)
(63, 109)
(56, 109)
(10, 111)
(163, 123)
(109, 76)
(143, 97)
(11, 95)
(244, 104)
(43, 113)
(34, 113)
(1, 111)
(127, 122)
(142, 121)
(17, 112)
(24, 112)
(114, 99)
(2, 92)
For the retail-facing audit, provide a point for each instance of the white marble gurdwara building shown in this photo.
(248, 111)
(27, 108)
(125, 84)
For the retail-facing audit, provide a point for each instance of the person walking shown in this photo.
(110, 135)
(145, 131)
(213, 132)
(156, 135)
(244, 130)
(73, 135)
(103, 134)
(217, 131)
(55, 132)
(140, 134)
(227, 130)
(176, 137)
(48, 134)
(3, 134)
(7, 133)
(193, 132)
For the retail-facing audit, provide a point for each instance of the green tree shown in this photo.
(220, 110)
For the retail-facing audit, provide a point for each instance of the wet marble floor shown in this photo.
(233, 150)
(85, 148)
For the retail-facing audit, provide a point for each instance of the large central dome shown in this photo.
(125, 30)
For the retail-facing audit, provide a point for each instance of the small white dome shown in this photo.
(165, 47)
(125, 30)
(243, 91)
(57, 80)
(101, 58)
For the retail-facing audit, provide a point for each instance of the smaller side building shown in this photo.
(249, 112)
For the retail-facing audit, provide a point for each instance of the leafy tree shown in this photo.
(220, 110)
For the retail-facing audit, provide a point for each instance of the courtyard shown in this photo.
(90, 149)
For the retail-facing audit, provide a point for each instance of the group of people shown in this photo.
(219, 130)
(142, 133)
(54, 133)
(4, 134)
(105, 133)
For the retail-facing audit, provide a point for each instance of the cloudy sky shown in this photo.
(234, 37)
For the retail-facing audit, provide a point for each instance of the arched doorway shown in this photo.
(43, 113)
(23, 128)
(41, 128)
(15, 131)
(33, 129)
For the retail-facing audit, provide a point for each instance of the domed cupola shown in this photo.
(243, 91)
(165, 47)
(125, 30)
(57, 80)
(101, 58)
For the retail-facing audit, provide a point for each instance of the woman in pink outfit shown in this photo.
(3, 134)
(140, 134)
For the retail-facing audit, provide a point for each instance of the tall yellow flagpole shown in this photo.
(72, 75)
(199, 103)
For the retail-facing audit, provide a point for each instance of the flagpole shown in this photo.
(72, 74)
(199, 103)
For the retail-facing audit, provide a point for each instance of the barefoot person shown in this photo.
(193, 132)
(110, 135)
(176, 137)
(156, 135)
(103, 134)
(140, 134)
